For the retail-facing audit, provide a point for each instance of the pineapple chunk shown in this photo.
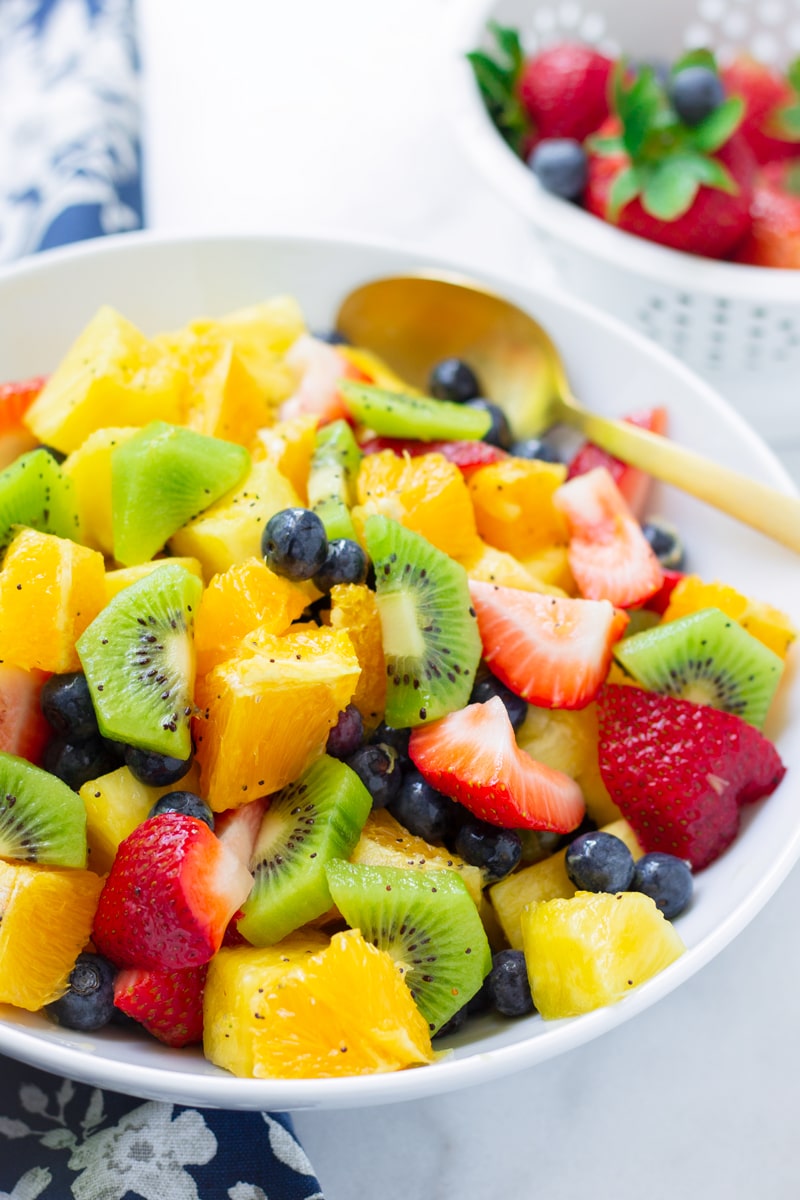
(384, 842)
(89, 468)
(488, 565)
(123, 577)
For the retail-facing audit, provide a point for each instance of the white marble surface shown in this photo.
(328, 117)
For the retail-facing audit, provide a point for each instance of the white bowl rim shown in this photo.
(571, 224)
(216, 1089)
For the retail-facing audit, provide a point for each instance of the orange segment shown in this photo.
(45, 921)
(50, 590)
(771, 626)
(354, 610)
(236, 602)
(427, 494)
(514, 508)
(265, 715)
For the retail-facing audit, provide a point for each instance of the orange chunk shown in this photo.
(514, 507)
(771, 626)
(289, 445)
(354, 609)
(50, 590)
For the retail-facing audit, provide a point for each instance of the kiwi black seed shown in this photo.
(41, 819)
(331, 478)
(138, 659)
(705, 657)
(34, 491)
(161, 478)
(427, 921)
(317, 818)
(396, 414)
(430, 633)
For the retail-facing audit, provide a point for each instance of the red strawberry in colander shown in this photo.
(680, 771)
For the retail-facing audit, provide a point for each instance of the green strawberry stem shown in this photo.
(496, 76)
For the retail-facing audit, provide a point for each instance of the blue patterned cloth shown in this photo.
(70, 155)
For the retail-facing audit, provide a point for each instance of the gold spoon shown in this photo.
(413, 321)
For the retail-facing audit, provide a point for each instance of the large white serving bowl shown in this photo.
(159, 283)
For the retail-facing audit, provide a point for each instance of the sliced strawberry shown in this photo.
(169, 896)
(169, 1004)
(472, 756)
(468, 455)
(23, 729)
(15, 400)
(679, 771)
(634, 484)
(238, 828)
(609, 556)
(551, 650)
(321, 368)
(659, 601)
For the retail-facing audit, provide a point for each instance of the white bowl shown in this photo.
(737, 325)
(159, 283)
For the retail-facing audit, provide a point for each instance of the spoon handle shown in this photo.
(774, 513)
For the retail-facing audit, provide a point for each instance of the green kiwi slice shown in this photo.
(317, 818)
(331, 478)
(41, 819)
(394, 414)
(430, 634)
(161, 478)
(138, 657)
(708, 658)
(34, 491)
(427, 921)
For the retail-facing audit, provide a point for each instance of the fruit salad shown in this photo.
(697, 155)
(333, 714)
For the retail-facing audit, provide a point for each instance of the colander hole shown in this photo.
(771, 12)
(712, 10)
(593, 26)
(569, 15)
(735, 25)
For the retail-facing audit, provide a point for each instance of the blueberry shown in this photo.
(487, 686)
(535, 448)
(155, 770)
(345, 562)
(88, 1002)
(666, 879)
(499, 432)
(599, 862)
(695, 93)
(379, 769)
(561, 166)
(507, 984)
(294, 543)
(67, 705)
(496, 851)
(347, 734)
(455, 1023)
(665, 542)
(333, 337)
(75, 763)
(424, 811)
(453, 379)
(398, 739)
(187, 803)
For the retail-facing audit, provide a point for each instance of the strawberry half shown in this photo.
(169, 1004)
(564, 90)
(23, 729)
(774, 237)
(633, 483)
(771, 122)
(472, 756)
(321, 369)
(169, 896)
(15, 400)
(553, 651)
(609, 555)
(680, 771)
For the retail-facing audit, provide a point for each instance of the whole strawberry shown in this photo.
(679, 771)
(771, 122)
(685, 186)
(774, 239)
(169, 896)
(169, 1004)
(564, 90)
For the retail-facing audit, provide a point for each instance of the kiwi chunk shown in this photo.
(138, 657)
(317, 818)
(427, 921)
(394, 414)
(430, 633)
(161, 478)
(41, 819)
(708, 658)
(34, 491)
(331, 478)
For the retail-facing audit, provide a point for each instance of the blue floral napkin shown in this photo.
(70, 155)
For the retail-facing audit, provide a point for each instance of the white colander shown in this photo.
(737, 325)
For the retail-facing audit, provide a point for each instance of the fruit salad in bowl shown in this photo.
(356, 744)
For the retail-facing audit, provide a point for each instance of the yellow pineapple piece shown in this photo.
(354, 610)
(89, 468)
(384, 842)
(594, 948)
(261, 334)
(378, 371)
(550, 565)
(265, 715)
(46, 916)
(123, 577)
(771, 626)
(50, 590)
(489, 565)
(230, 531)
(567, 741)
(289, 445)
(514, 509)
(111, 369)
(340, 1010)
(545, 880)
